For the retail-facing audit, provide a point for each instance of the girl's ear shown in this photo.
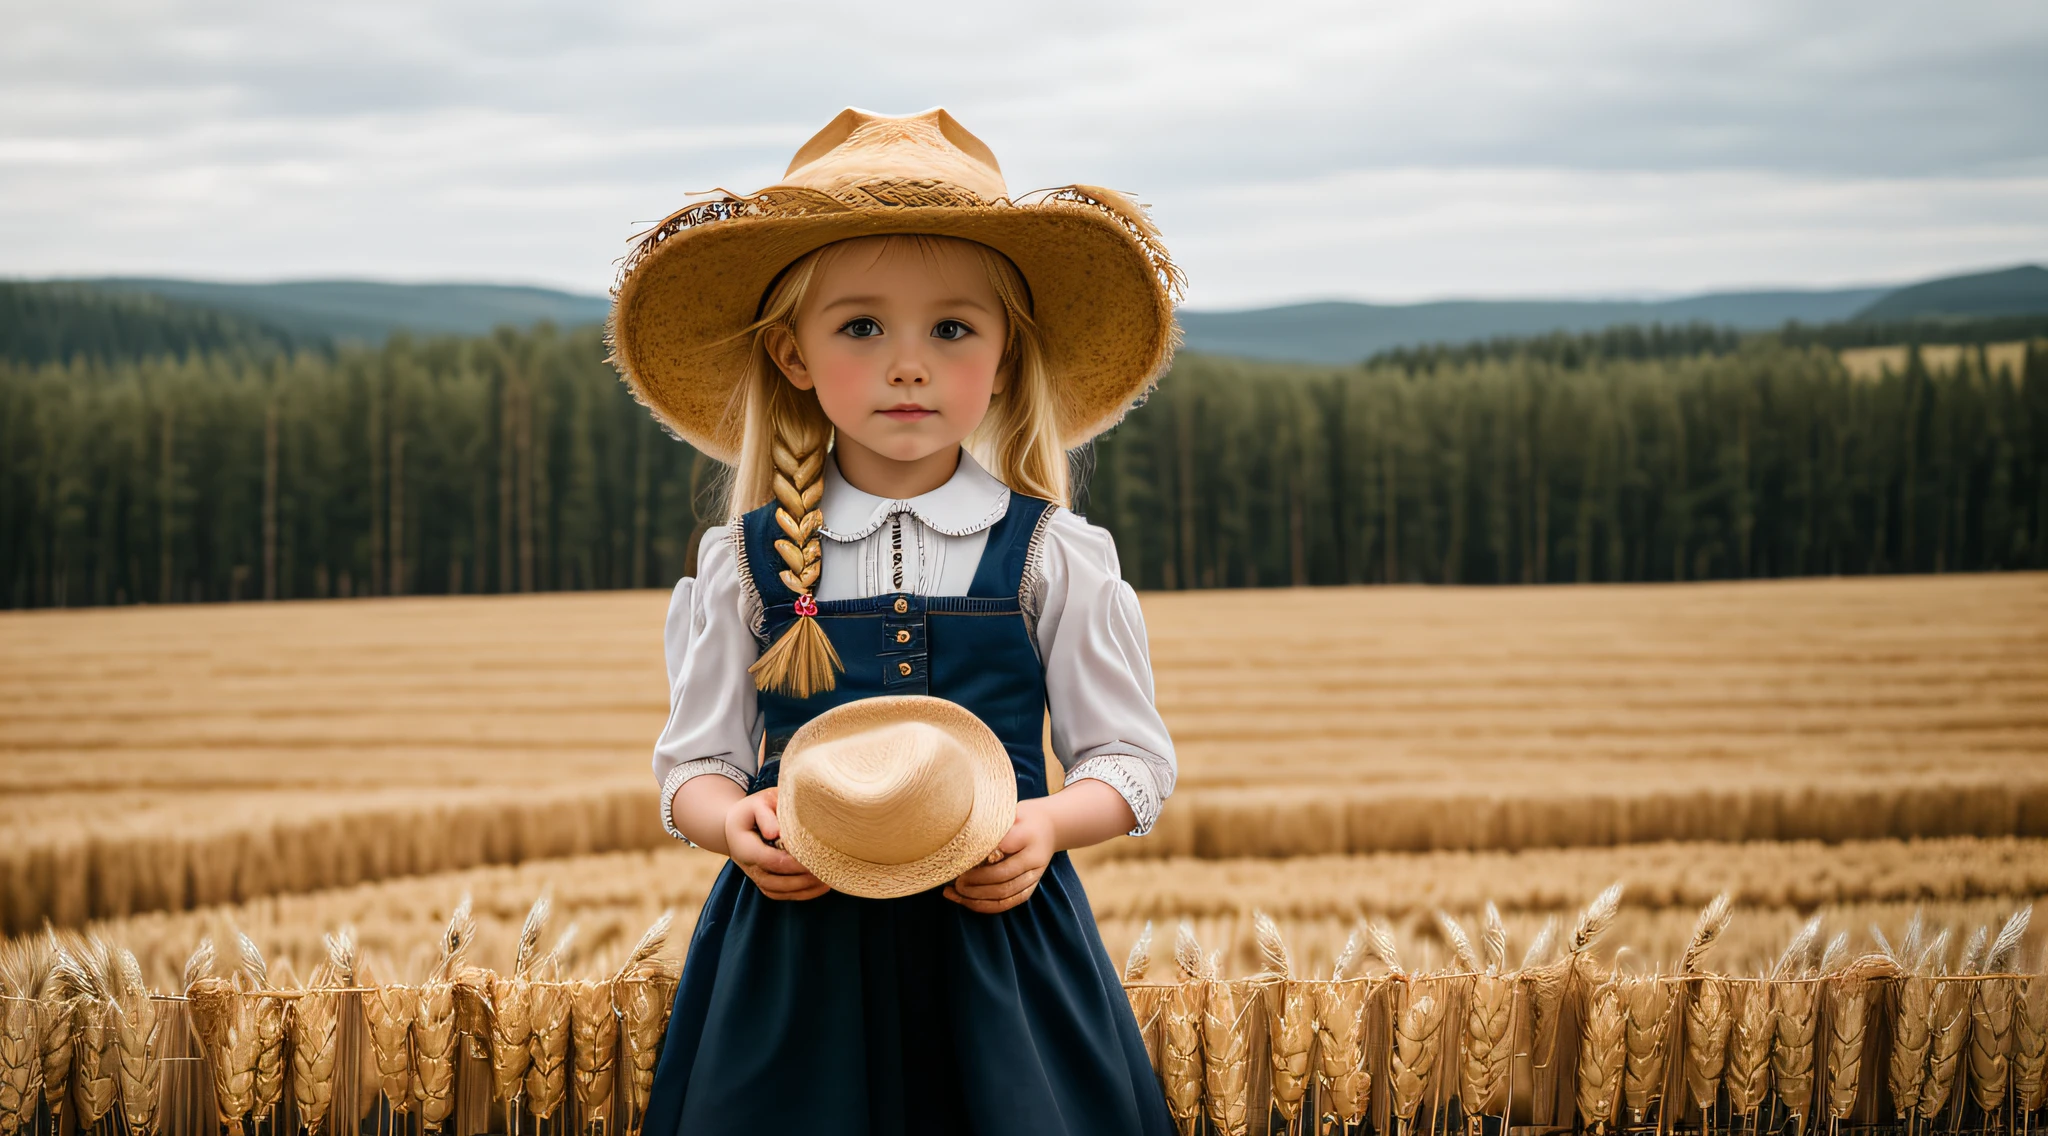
(780, 341)
(1004, 370)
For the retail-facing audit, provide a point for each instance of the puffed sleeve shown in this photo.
(1098, 668)
(714, 719)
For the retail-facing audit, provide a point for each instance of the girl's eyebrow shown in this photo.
(871, 301)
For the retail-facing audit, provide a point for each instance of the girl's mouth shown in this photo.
(909, 412)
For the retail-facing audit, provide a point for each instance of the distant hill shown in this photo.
(370, 311)
(2009, 292)
(45, 323)
(1342, 332)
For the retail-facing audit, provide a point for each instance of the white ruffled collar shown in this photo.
(970, 501)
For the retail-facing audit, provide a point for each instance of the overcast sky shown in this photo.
(1290, 150)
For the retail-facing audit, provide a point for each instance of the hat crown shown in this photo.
(887, 795)
(858, 150)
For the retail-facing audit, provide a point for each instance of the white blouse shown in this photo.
(1085, 622)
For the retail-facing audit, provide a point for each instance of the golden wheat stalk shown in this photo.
(315, 1017)
(1949, 1032)
(1847, 1018)
(1181, 1066)
(594, 1030)
(263, 1030)
(1463, 952)
(643, 1005)
(1648, 1003)
(1991, 1041)
(21, 1062)
(1496, 941)
(1489, 1044)
(1594, 920)
(95, 1048)
(1344, 1084)
(1603, 1055)
(1794, 1004)
(1228, 1012)
(134, 1022)
(1747, 1074)
(2030, 1044)
(1290, 1019)
(1912, 1037)
(1709, 1015)
(548, 1053)
(1418, 1033)
(54, 1011)
(1139, 960)
(511, 1034)
(389, 1012)
(431, 1079)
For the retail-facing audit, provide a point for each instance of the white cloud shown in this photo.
(1448, 148)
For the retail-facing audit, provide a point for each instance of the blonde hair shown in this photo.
(785, 434)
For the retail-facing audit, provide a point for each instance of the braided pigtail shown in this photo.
(802, 661)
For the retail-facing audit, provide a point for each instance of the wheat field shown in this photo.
(1868, 752)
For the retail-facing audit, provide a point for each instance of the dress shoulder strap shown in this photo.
(1009, 548)
(760, 564)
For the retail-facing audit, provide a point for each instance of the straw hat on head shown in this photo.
(1102, 286)
(884, 797)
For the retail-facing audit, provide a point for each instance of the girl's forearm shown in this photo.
(1085, 813)
(699, 810)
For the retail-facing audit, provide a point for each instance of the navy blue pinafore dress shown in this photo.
(871, 1017)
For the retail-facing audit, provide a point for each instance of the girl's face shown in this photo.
(902, 339)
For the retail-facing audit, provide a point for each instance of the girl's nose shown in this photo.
(907, 374)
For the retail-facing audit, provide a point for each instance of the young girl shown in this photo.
(895, 357)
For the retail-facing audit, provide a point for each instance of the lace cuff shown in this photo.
(1133, 779)
(694, 768)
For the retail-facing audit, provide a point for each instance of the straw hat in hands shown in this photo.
(886, 797)
(1102, 285)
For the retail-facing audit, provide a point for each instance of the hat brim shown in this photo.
(993, 812)
(1102, 296)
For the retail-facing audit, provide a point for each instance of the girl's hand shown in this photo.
(750, 826)
(1013, 869)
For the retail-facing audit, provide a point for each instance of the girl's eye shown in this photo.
(862, 327)
(951, 329)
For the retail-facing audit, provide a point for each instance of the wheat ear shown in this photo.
(1345, 1084)
(1496, 940)
(1603, 1054)
(548, 1053)
(1489, 1043)
(1228, 1012)
(21, 1035)
(95, 1048)
(262, 1018)
(1708, 1017)
(1417, 1035)
(802, 661)
(511, 1032)
(315, 1017)
(1748, 1070)
(389, 1011)
(1792, 1048)
(432, 1074)
(141, 1071)
(1595, 919)
(1649, 1003)
(1991, 1041)
(1714, 919)
(1949, 1033)
(54, 1010)
(594, 1032)
(2030, 1043)
(643, 1005)
(1539, 947)
(1847, 1020)
(1181, 1065)
(1380, 941)
(528, 950)
(1139, 960)
(1912, 1036)
(1460, 943)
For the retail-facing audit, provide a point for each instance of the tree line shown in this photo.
(517, 462)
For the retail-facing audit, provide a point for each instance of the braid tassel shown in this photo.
(802, 661)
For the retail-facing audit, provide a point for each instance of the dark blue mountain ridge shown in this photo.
(1327, 332)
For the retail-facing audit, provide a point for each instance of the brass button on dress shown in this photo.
(902, 605)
